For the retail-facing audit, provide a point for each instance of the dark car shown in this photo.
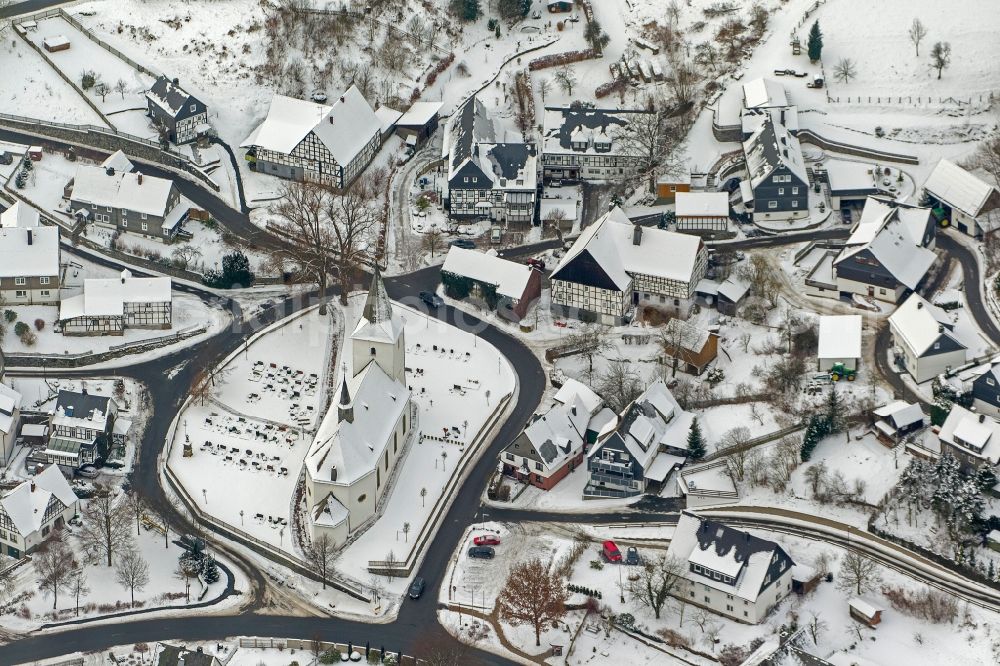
(482, 552)
(416, 588)
(463, 243)
(632, 556)
(536, 263)
(730, 185)
(845, 215)
(431, 299)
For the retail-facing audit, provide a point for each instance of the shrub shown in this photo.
(20, 328)
(87, 79)
(626, 620)
(28, 339)
(39, 324)
(596, 564)
(10, 316)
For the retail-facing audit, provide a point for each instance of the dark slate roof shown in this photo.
(522, 446)
(584, 269)
(170, 97)
(722, 538)
(472, 126)
(511, 158)
(83, 404)
(589, 119)
(171, 655)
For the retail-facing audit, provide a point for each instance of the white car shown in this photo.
(318, 96)
(88, 472)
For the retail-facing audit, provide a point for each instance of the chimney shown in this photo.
(333, 472)
(32, 486)
(30, 237)
(110, 171)
(83, 390)
(341, 99)
(636, 234)
(177, 82)
(138, 177)
(782, 116)
(940, 328)
(330, 118)
(573, 409)
(920, 305)
(982, 418)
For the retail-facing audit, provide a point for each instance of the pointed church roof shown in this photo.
(378, 322)
(345, 394)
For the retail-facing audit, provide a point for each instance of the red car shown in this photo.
(611, 552)
(487, 540)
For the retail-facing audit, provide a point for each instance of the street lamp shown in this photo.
(241, 517)
(204, 494)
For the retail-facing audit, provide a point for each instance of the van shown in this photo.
(611, 552)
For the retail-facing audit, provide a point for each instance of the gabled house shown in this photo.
(924, 339)
(33, 510)
(690, 346)
(986, 391)
(504, 285)
(839, 342)
(418, 123)
(300, 140)
(615, 264)
(181, 115)
(587, 144)
(889, 252)
(553, 443)
(973, 439)
(777, 172)
(487, 179)
(10, 415)
(647, 444)
(109, 306)
(702, 211)
(176, 655)
(729, 571)
(897, 420)
(127, 201)
(29, 258)
(971, 203)
(82, 428)
(851, 182)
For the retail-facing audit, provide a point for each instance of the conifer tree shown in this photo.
(695, 442)
(815, 44)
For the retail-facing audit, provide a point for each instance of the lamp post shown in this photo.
(241, 517)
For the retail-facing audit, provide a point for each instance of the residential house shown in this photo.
(986, 391)
(587, 144)
(614, 265)
(354, 453)
(971, 201)
(552, 445)
(181, 116)
(689, 347)
(33, 510)
(558, 6)
(300, 140)
(29, 258)
(487, 180)
(109, 306)
(127, 201)
(850, 183)
(418, 123)
(729, 571)
(702, 211)
(898, 419)
(973, 439)
(839, 342)
(924, 339)
(796, 649)
(506, 286)
(730, 295)
(82, 428)
(648, 442)
(777, 172)
(888, 255)
(10, 416)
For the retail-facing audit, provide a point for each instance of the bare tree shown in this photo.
(917, 33)
(844, 70)
(78, 586)
(136, 505)
(54, 565)
(677, 340)
(121, 87)
(589, 342)
(185, 571)
(683, 81)
(352, 220)
(321, 555)
(987, 157)
(653, 142)
(544, 86)
(8, 584)
(858, 574)
(566, 79)
(106, 527)
(132, 571)
(816, 627)
(658, 577)
(103, 89)
(533, 595)
(186, 255)
(760, 275)
(940, 56)
(619, 385)
(433, 241)
(737, 439)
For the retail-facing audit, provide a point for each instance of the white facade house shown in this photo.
(974, 201)
(10, 411)
(839, 341)
(924, 339)
(702, 211)
(29, 258)
(973, 439)
(32, 510)
(615, 264)
(354, 453)
(729, 571)
(587, 144)
(109, 306)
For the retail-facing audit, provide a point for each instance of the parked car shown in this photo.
(611, 552)
(731, 185)
(318, 96)
(416, 588)
(555, 182)
(536, 263)
(431, 299)
(487, 540)
(482, 552)
(88, 472)
(632, 556)
(845, 215)
(463, 243)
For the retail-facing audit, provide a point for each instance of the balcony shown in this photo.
(616, 469)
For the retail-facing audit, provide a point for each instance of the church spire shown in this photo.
(345, 410)
(377, 306)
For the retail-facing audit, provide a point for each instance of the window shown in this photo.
(745, 614)
(45, 292)
(19, 281)
(729, 608)
(362, 498)
(729, 596)
(937, 345)
(772, 204)
(145, 226)
(707, 600)
(43, 280)
(673, 188)
(510, 457)
(465, 179)
(124, 222)
(371, 352)
(192, 108)
(692, 594)
(781, 191)
(142, 216)
(795, 204)
(20, 294)
(989, 380)
(881, 291)
(538, 466)
(795, 190)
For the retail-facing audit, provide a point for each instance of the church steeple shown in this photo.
(345, 408)
(378, 308)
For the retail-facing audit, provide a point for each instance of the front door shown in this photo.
(871, 291)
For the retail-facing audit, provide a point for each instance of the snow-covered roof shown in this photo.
(168, 95)
(581, 130)
(330, 512)
(920, 323)
(387, 117)
(688, 335)
(974, 432)
(839, 336)
(851, 177)
(734, 288)
(771, 147)
(345, 128)
(702, 204)
(751, 119)
(118, 161)
(25, 505)
(660, 253)
(958, 188)
(469, 126)
(662, 465)
(34, 429)
(752, 563)
(572, 387)
(55, 41)
(895, 236)
(510, 278)
(909, 222)
(19, 216)
(106, 297)
(82, 410)
(866, 608)
(27, 251)
(10, 401)
(134, 191)
(901, 413)
(419, 114)
(763, 93)
(378, 321)
(554, 437)
(354, 447)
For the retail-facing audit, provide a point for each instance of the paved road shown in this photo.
(973, 285)
(28, 7)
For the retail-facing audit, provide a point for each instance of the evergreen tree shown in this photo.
(986, 478)
(834, 412)
(815, 431)
(235, 272)
(695, 441)
(815, 44)
(467, 10)
(991, 571)
(209, 570)
(513, 8)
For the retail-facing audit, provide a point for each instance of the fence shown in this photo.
(37, 359)
(983, 100)
(756, 441)
(320, 646)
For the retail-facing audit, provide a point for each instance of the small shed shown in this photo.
(731, 294)
(865, 612)
(35, 153)
(669, 185)
(692, 347)
(805, 579)
(559, 6)
(419, 121)
(898, 419)
(34, 434)
(55, 43)
(839, 342)
(702, 211)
